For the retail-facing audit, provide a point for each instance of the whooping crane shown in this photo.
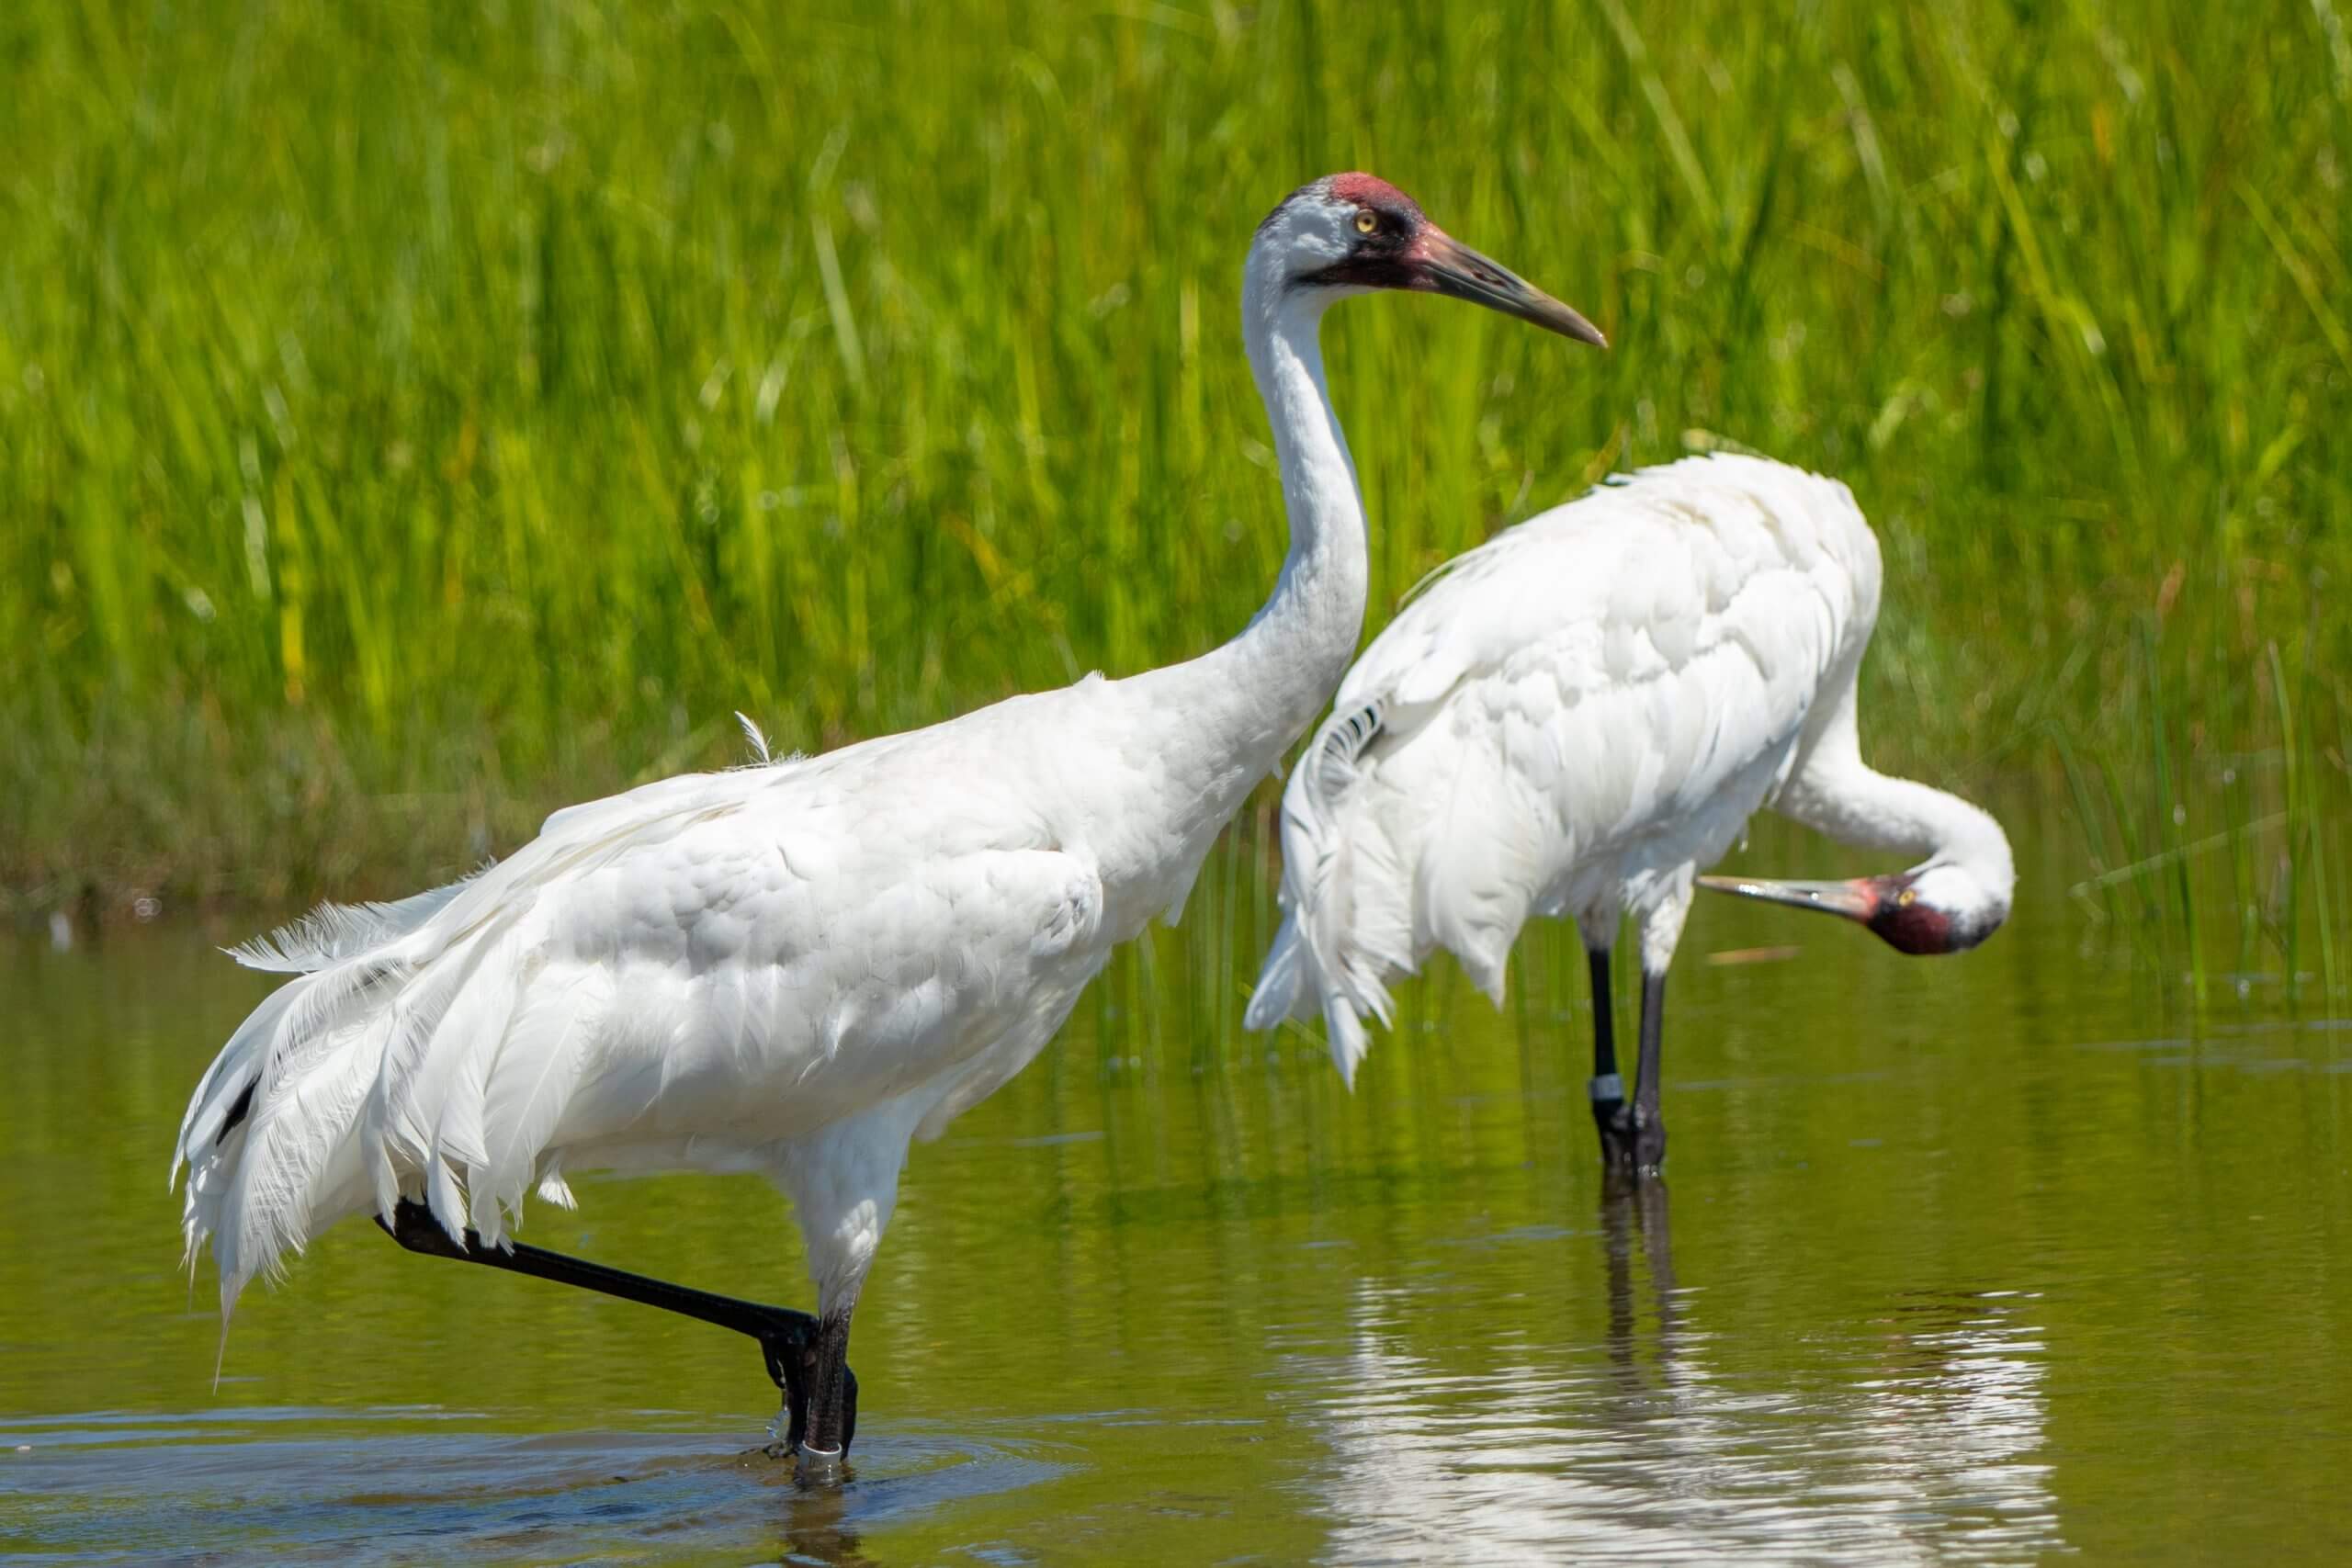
(1578, 715)
(796, 968)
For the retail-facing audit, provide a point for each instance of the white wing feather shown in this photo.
(332, 933)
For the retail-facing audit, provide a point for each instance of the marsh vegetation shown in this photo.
(418, 419)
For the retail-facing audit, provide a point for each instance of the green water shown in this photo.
(1992, 1260)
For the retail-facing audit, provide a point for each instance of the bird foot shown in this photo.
(1649, 1141)
(792, 1363)
(1633, 1143)
(821, 1466)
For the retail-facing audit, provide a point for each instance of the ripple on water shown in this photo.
(1922, 1440)
(408, 1485)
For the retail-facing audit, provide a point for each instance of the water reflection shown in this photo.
(1219, 1309)
(819, 1527)
(1918, 1442)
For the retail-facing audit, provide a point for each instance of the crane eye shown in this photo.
(1908, 897)
(1366, 222)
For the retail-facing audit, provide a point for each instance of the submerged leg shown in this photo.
(843, 1183)
(1610, 1115)
(1661, 924)
(787, 1339)
(1649, 1124)
(833, 1395)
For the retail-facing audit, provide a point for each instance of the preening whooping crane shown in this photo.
(1578, 715)
(796, 968)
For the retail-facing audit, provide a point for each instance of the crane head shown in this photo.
(1939, 907)
(1350, 233)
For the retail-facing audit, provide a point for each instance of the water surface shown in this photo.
(1981, 1261)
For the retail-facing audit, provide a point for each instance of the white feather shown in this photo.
(546, 1053)
(332, 933)
(756, 737)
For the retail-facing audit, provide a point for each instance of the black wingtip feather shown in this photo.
(238, 1112)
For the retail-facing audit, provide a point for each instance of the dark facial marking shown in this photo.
(1387, 256)
(1917, 927)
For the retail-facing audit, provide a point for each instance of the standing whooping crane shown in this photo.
(797, 967)
(1576, 716)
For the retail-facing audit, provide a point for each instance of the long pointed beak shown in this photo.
(1855, 900)
(1452, 267)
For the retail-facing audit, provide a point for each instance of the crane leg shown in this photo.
(832, 1397)
(791, 1343)
(1632, 1134)
(1611, 1116)
(1649, 1120)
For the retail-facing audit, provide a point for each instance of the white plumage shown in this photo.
(716, 971)
(1576, 716)
(796, 967)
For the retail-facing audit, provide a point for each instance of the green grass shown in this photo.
(416, 416)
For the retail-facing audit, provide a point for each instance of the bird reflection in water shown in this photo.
(1634, 1212)
(815, 1524)
(1907, 1437)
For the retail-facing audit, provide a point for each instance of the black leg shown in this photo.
(833, 1393)
(1649, 1125)
(1608, 1088)
(788, 1339)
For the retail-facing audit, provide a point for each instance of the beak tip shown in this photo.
(1448, 266)
(1854, 900)
(1579, 330)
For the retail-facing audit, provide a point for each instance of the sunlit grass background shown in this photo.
(413, 417)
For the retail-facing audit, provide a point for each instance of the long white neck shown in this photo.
(1839, 794)
(1234, 711)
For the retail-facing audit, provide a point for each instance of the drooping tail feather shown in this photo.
(1395, 842)
(333, 932)
(268, 1141)
(364, 1079)
(539, 1065)
(1475, 862)
(431, 1048)
(1281, 980)
(1333, 949)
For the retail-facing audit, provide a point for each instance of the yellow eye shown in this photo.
(1909, 896)
(1366, 222)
